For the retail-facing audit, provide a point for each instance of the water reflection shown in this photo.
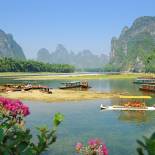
(148, 93)
(134, 116)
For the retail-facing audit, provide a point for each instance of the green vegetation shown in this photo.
(130, 52)
(148, 146)
(145, 64)
(11, 65)
(112, 68)
(91, 69)
(77, 77)
(49, 76)
(150, 62)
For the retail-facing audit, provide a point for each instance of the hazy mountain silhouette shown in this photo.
(83, 59)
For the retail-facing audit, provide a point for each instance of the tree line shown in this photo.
(12, 65)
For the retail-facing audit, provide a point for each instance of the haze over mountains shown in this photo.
(81, 60)
(9, 47)
(130, 50)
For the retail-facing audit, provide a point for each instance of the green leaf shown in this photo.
(140, 151)
(22, 146)
(1, 134)
(141, 143)
(6, 152)
(28, 151)
(153, 136)
(58, 118)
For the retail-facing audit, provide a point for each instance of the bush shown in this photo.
(15, 138)
(148, 146)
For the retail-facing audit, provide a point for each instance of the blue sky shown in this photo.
(78, 24)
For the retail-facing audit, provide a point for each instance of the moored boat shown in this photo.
(75, 84)
(145, 80)
(147, 87)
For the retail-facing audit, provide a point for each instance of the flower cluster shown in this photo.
(94, 147)
(15, 107)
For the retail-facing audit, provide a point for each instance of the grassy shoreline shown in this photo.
(60, 95)
(69, 76)
(82, 76)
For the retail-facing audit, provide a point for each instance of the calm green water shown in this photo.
(84, 120)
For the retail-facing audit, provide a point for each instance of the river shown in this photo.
(84, 120)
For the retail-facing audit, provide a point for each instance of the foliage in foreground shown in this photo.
(11, 65)
(148, 146)
(94, 147)
(15, 138)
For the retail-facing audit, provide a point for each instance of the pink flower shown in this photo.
(78, 147)
(92, 143)
(99, 151)
(104, 149)
(14, 106)
(25, 110)
(95, 146)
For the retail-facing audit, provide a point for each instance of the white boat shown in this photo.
(115, 107)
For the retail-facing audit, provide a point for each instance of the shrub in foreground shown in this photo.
(15, 138)
(148, 146)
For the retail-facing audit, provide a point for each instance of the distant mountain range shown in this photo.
(131, 49)
(9, 47)
(82, 60)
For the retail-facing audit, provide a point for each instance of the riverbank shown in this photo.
(59, 95)
(70, 76)
(82, 77)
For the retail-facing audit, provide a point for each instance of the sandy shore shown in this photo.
(59, 95)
